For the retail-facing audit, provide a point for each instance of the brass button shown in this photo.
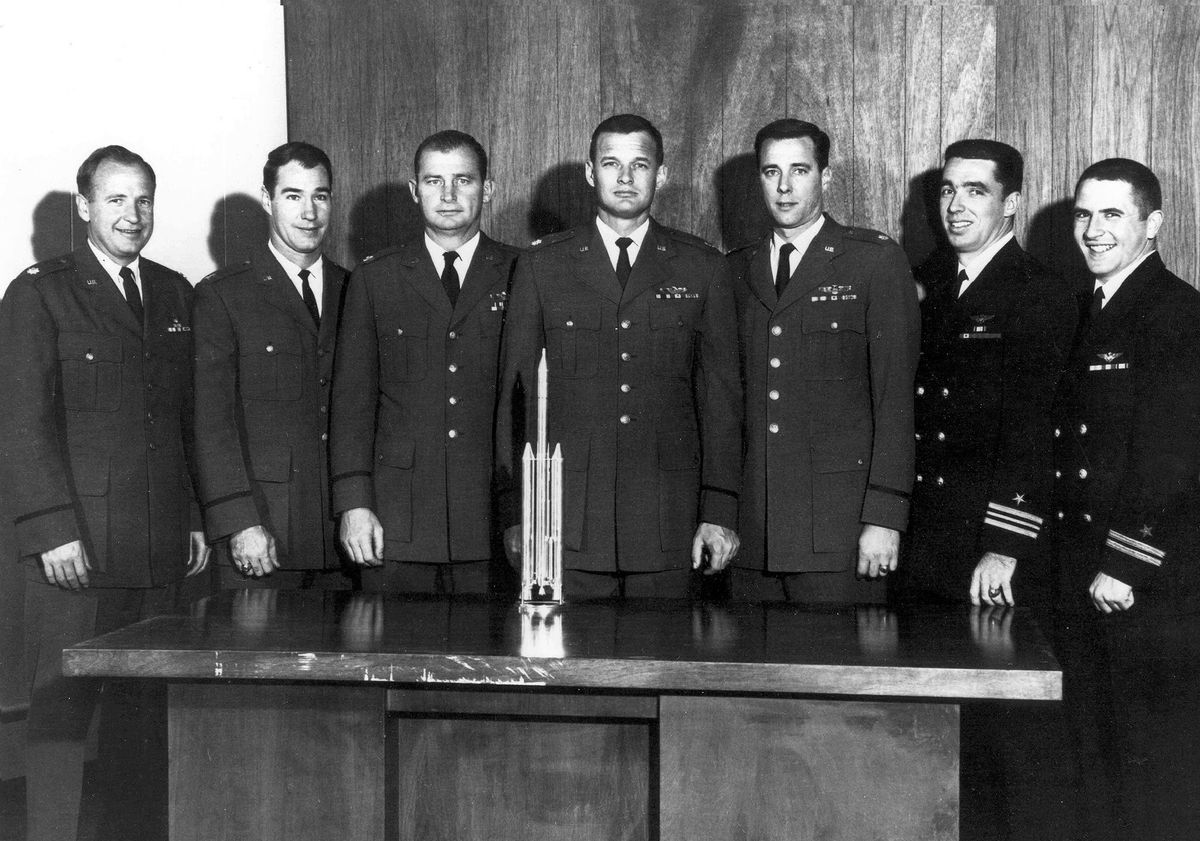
(940, 481)
(773, 394)
(625, 324)
(453, 367)
(1057, 474)
(625, 387)
(945, 392)
(920, 390)
(1083, 429)
(1059, 515)
(1083, 473)
(89, 356)
(941, 436)
(625, 357)
(773, 427)
(624, 419)
(453, 335)
(775, 363)
(833, 325)
(270, 348)
(1087, 518)
(453, 400)
(324, 436)
(453, 433)
(920, 478)
(776, 330)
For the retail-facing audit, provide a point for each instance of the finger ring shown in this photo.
(993, 592)
(883, 570)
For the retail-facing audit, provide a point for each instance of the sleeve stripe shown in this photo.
(223, 499)
(1135, 544)
(1010, 527)
(33, 515)
(1133, 553)
(992, 515)
(883, 490)
(1015, 512)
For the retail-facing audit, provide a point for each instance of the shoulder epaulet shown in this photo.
(551, 239)
(371, 258)
(744, 247)
(687, 239)
(868, 235)
(56, 264)
(227, 271)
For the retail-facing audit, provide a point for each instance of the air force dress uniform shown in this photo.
(644, 395)
(263, 373)
(414, 395)
(828, 367)
(990, 362)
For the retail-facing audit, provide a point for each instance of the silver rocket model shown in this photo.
(541, 511)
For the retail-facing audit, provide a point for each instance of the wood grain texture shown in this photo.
(293, 763)
(814, 769)
(968, 72)
(480, 780)
(1122, 99)
(922, 129)
(545, 705)
(566, 200)
(880, 182)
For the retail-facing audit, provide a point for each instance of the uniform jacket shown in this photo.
(643, 396)
(829, 370)
(263, 372)
(990, 363)
(97, 418)
(413, 401)
(1128, 453)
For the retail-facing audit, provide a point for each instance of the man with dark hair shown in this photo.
(1128, 458)
(415, 387)
(996, 329)
(95, 351)
(264, 332)
(828, 327)
(637, 321)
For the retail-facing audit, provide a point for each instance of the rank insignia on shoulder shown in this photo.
(675, 293)
(91, 281)
(830, 248)
(32, 270)
(835, 292)
(177, 326)
(1110, 363)
(498, 301)
(535, 243)
(367, 259)
(661, 247)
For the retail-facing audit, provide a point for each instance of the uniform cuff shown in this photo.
(1009, 530)
(1131, 560)
(719, 507)
(885, 507)
(230, 515)
(42, 531)
(353, 490)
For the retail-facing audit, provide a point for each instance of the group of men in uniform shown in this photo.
(786, 420)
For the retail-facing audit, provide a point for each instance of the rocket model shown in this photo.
(541, 511)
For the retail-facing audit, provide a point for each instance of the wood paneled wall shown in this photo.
(892, 84)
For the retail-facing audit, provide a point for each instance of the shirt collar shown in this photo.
(975, 266)
(113, 270)
(800, 241)
(465, 252)
(1114, 283)
(610, 237)
(316, 271)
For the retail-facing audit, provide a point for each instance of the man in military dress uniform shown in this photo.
(95, 369)
(415, 387)
(1128, 533)
(829, 330)
(264, 333)
(637, 321)
(996, 329)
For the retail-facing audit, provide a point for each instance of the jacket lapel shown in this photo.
(814, 268)
(652, 267)
(595, 269)
(483, 273)
(761, 283)
(281, 294)
(106, 299)
(1127, 300)
(331, 302)
(422, 276)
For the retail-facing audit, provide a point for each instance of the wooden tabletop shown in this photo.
(651, 646)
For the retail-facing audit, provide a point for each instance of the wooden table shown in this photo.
(351, 716)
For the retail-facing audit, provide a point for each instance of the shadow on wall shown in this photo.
(744, 216)
(57, 228)
(562, 199)
(238, 228)
(382, 217)
(1051, 240)
(921, 232)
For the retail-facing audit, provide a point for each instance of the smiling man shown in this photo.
(829, 332)
(264, 333)
(1128, 457)
(415, 387)
(95, 370)
(996, 328)
(638, 325)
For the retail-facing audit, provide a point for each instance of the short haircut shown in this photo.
(1147, 192)
(1010, 166)
(109, 154)
(450, 140)
(296, 151)
(790, 128)
(626, 124)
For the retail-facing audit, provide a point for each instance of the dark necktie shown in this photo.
(962, 281)
(310, 300)
(450, 277)
(624, 267)
(132, 296)
(1097, 304)
(784, 270)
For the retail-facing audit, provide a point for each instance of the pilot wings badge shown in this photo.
(1109, 362)
(979, 329)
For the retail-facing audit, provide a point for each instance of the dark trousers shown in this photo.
(458, 578)
(131, 774)
(286, 579)
(754, 585)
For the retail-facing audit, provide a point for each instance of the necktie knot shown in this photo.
(784, 270)
(624, 266)
(133, 295)
(310, 300)
(450, 276)
(1097, 303)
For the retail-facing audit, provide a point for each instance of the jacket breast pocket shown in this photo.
(404, 352)
(270, 365)
(573, 340)
(673, 337)
(90, 366)
(835, 342)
